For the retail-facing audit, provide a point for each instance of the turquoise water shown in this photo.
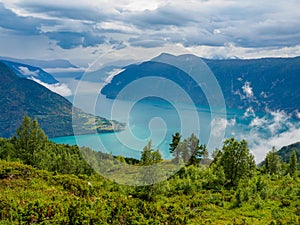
(157, 120)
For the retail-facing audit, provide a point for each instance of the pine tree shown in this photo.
(272, 162)
(205, 156)
(292, 169)
(149, 155)
(237, 161)
(195, 151)
(174, 146)
(30, 139)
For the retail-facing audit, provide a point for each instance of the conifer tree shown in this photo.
(174, 148)
(292, 169)
(272, 162)
(237, 161)
(29, 140)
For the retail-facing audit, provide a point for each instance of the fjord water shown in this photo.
(153, 119)
(158, 120)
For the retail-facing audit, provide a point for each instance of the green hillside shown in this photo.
(286, 152)
(19, 97)
(68, 191)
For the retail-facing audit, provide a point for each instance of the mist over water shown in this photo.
(157, 119)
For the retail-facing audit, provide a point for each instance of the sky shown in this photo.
(82, 31)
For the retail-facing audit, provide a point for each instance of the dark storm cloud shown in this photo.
(69, 40)
(191, 23)
(70, 11)
(19, 24)
(30, 25)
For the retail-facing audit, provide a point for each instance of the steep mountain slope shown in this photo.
(286, 152)
(30, 72)
(153, 69)
(270, 83)
(274, 82)
(19, 97)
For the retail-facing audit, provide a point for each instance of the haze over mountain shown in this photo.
(19, 97)
(45, 64)
(248, 84)
(39, 76)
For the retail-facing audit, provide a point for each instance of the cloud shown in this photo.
(61, 89)
(68, 40)
(298, 115)
(247, 89)
(249, 112)
(28, 25)
(25, 71)
(276, 128)
(219, 125)
(224, 28)
(113, 73)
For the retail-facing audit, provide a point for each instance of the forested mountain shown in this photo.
(286, 151)
(271, 83)
(19, 97)
(30, 72)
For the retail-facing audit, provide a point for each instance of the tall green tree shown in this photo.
(150, 156)
(194, 149)
(272, 162)
(237, 161)
(7, 149)
(174, 145)
(205, 160)
(292, 168)
(189, 150)
(29, 140)
(149, 173)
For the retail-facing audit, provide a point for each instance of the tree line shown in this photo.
(226, 187)
(232, 162)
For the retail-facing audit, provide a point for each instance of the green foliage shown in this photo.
(237, 161)
(31, 146)
(67, 191)
(29, 196)
(189, 150)
(292, 169)
(272, 162)
(286, 152)
(150, 156)
(30, 141)
(175, 141)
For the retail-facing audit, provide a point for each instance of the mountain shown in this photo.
(286, 152)
(19, 97)
(152, 69)
(101, 75)
(45, 64)
(30, 72)
(268, 83)
(39, 76)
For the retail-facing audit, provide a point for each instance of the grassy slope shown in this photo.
(31, 196)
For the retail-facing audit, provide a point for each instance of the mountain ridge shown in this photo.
(55, 63)
(19, 97)
(30, 72)
(261, 84)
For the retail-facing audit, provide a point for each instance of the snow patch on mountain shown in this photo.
(59, 88)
